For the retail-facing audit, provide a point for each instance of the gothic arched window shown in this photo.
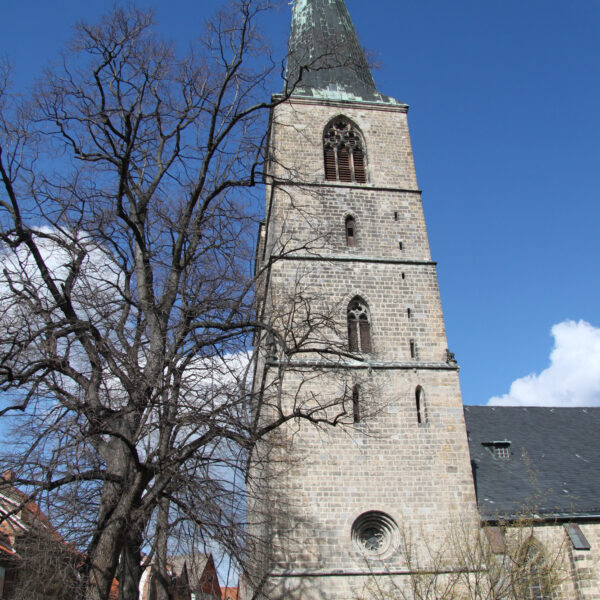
(350, 231)
(359, 328)
(533, 581)
(420, 405)
(344, 152)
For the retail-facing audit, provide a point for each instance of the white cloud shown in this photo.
(573, 377)
(95, 288)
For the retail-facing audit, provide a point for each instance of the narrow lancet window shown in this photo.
(413, 349)
(359, 328)
(344, 152)
(356, 404)
(420, 402)
(350, 231)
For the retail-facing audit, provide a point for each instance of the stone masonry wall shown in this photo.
(586, 565)
(415, 472)
(297, 138)
(575, 572)
(322, 478)
(388, 290)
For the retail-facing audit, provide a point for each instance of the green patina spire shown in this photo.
(325, 58)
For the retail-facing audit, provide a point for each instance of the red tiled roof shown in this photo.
(229, 593)
(28, 514)
(30, 510)
(114, 590)
(7, 550)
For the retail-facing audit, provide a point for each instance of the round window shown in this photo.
(375, 534)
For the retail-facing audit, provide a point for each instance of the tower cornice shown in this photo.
(389, 104)
(355, 259)
(331, 184)
(372, 365)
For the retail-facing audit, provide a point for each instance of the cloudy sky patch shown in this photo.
(573, 377)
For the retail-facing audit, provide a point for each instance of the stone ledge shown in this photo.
(324, 364)
(351, 258)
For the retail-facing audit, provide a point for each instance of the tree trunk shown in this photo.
(116, 534)
(130, 565)
(163, 591)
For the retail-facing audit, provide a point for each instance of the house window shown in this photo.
(420, 405)
(359, 328)
(350, 231)
(356, 404)
(344, 152)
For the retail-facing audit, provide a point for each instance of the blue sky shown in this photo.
(505, 125)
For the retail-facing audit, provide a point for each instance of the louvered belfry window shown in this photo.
(344, 153)
(359, 328)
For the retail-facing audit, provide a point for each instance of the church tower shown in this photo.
(374, 467)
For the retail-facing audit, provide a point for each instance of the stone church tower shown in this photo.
(358, 339)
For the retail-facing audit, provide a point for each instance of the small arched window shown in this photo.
(344, 152)
(420, 405)
(534, 576)
(350, 232)
(359, 328)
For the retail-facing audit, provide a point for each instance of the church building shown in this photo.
(378, 485)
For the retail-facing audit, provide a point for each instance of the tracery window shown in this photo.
(375, 535)
(534, 581)
(359, 328)
(344, 152)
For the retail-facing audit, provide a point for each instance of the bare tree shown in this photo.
(127, 303)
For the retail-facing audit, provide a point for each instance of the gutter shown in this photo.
(551, 518)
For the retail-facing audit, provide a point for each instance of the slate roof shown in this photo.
(554, 464)
(324, 43)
